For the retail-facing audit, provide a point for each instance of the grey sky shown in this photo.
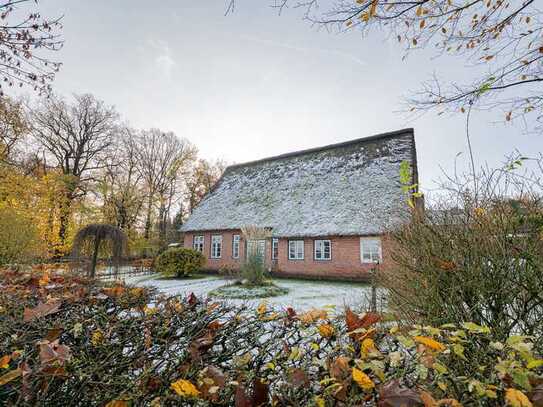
(255, 84)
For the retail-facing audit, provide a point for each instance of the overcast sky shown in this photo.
(254, 84)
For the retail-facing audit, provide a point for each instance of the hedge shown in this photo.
(69, 341)
(179, 262)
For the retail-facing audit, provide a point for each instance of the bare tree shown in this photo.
(204, 174)
(120, 187)
(501, 40)
(76, 137)
(13, 127)
(26, 40)
(164, 159)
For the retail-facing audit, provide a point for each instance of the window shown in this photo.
(235, 246)
(256, 248)
(323, 250)
(370, 250)
(296, 250)
(198, 243)
(216, 246)
(275, 248)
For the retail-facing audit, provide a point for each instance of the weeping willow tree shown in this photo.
(91, 239)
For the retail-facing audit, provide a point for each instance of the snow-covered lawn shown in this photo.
(303, 294)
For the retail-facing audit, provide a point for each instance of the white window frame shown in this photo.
(298, 254)
(235, 246)
(373, 259)
(323, 242)
(198, 243)
(275, 247)
(216, 246)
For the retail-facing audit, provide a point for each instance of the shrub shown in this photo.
(18, 237)
(479, 259)
(69, 341)
(179, 262)
(253, 270)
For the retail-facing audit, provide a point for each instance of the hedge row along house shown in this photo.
(326, 210)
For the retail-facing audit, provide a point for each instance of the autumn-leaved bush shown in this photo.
(18, 237)
(474, 255)
(179, 262)
(69, 341)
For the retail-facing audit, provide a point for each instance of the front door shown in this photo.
(257, 247)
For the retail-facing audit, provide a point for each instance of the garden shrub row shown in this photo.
(179, 262)
(68, 341)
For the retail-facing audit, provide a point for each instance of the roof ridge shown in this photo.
(374, 137)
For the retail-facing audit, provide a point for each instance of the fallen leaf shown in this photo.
(430, 343)
(362, 379)
(516, 398)
(326, 330)
(41, 310)
(339, 368)
(117, 403)
(53, 352)
(9, 376)
(298, 378)
(185, 388)
(4, 362)
(427, 399)
(193, 300)
(392, 394)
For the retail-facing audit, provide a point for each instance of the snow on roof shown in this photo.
(351, 188)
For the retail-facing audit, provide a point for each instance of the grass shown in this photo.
(247, 292)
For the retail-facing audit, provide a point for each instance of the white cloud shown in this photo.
(163, 59)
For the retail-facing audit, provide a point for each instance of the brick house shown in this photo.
(326, 209)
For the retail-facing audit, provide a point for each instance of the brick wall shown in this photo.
(345, 262)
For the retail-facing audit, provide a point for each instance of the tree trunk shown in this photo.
(147, 230)
(95, 257)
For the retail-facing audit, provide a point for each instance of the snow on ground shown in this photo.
(303, 294)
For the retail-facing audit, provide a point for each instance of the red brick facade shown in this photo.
(345, 262)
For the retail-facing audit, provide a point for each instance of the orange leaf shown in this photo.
(117, 403)
(339, 368)
(427, 399)
(430, 343)
(9, 376)
(4, 361)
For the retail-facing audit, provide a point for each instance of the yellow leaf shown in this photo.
(326, 330)
(532, 364)
(4, 362)
(117, 403)
(422, 24)
(262, 308)
(319, 402)
(185, 388)
(367, 347)
(97, 337)
(430, 343)
(470, 326)
(516, 398)
(9, 376)
(362, 379)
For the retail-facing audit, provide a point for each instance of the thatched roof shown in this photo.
(351, 188)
